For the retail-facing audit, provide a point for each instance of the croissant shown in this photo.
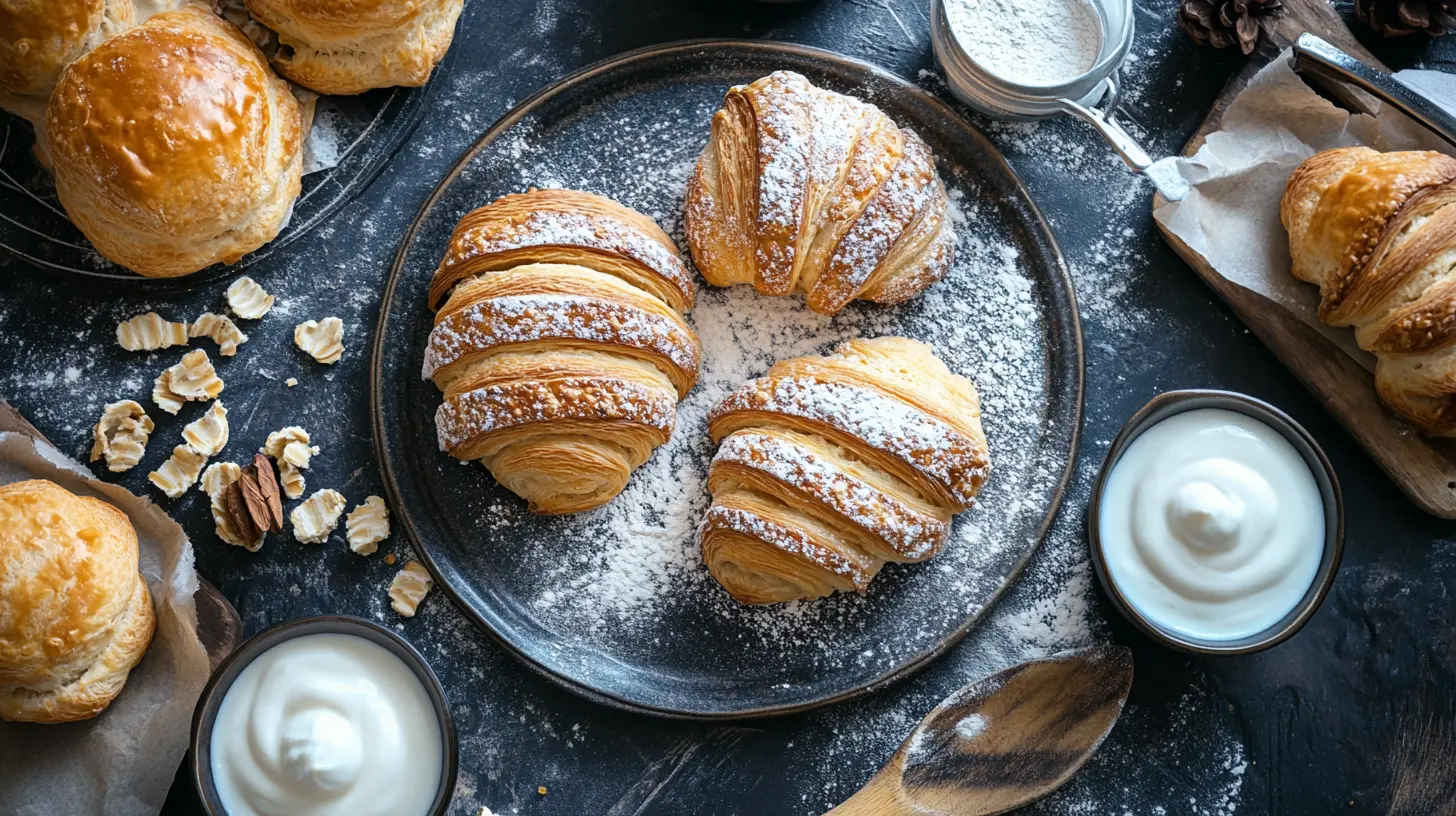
(1377, 233)
(831, 466)
(805, 190)
(351, 46)
(174, 145)
(560, 348)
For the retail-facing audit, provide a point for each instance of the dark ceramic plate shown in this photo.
(615, 603)
(367, 130)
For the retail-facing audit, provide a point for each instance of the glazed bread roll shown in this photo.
(560, 347)
(806, 190)
(351, 46)
(1377, 233)
(39, 38)
(75, 615)
(831, 466)
(174, 146)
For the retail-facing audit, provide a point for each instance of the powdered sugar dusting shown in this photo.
(621, 575)
(523, 318)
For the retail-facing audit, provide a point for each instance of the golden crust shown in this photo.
(562, 306)
(174, 146)
(1377, 233)
(561, 350)
(76, 614)
(40, 38)
(830, 466)
(351, 46)
(565, 227)
(802, 189)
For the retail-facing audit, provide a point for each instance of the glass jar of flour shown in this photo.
(1032, 59)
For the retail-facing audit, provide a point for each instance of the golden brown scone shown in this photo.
(805, 190)
(75, 615)
(831, 466)
(1377, 233)
(174, 146)
(351, 46)
(561, 349)
(39, 38)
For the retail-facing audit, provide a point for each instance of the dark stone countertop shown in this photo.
(1314, 726)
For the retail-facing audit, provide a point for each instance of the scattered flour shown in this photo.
(617, 575)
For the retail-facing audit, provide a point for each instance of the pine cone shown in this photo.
(1394, 18)
(1221, 23)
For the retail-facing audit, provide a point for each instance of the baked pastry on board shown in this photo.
(830, 466)
(174, 146)
(560, 344)
(806, 190)
(75, 614)
(1377, 232)
(351, 46)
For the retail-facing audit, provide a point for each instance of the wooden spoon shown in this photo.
(1004, 740)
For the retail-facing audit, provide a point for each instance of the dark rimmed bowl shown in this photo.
(1168, 404)
(205, 715)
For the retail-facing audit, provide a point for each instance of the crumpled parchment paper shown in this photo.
(1231, 213)
(122, 762)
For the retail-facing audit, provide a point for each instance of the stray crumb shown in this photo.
(247, 299)
(391, 558)
(541, 790)
(322, 340)
(291, 381)
(409, 587)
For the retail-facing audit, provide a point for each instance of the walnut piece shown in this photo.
(221, 330)
(121, 435)
(317, 517)
(409, 587)
(321, 339)
(179, 472)
(215, 482)
(150, 332)
(208, 435)
(247, 299)
(367, 525)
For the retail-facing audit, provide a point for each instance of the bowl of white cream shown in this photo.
(1216, 524)
(324, 716)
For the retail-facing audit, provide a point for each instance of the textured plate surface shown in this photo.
(615, 603)
(363, 132)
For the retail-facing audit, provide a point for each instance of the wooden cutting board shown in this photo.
(218, 625)
(1424, 468)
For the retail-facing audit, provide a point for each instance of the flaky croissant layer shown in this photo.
(560, 345)
(831, 466)
(1377, 233)
(805, 190)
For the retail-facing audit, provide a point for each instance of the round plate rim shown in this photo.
(507, 120)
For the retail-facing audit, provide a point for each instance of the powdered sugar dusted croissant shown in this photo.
(561, 349)
(807, 190)
(831, 466)
(1377, 233)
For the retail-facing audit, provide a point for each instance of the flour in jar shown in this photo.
(1029, 42)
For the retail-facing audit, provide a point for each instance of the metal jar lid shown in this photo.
(1090, 96)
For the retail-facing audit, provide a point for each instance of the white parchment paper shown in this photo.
(1231, 213)
(122, 762)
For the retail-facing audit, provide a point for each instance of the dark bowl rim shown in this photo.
(1169, 404)
(216, 690)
